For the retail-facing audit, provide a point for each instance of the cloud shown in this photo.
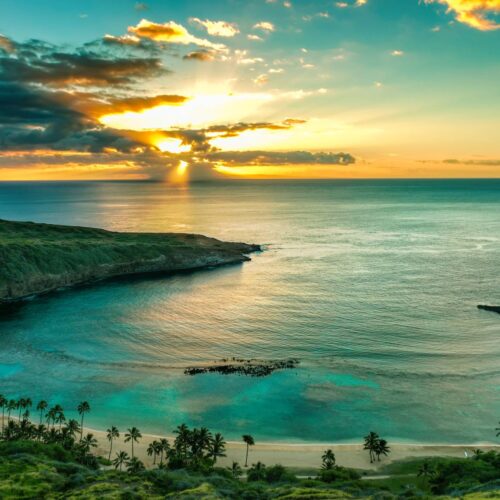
(141, 6)
(266, 158)
(474, 13)
(217, 28)
(50, 66)
(6, 44)
(200, 55)
(264, 26)
(171, 32)
(261, 79)
(397, 53)
(483, 162)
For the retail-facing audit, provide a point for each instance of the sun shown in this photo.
(175, 146)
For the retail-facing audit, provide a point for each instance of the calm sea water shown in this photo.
(372, 284)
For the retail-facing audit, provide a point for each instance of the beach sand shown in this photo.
(300, 456)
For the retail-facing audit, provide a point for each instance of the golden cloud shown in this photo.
(170, 32)
(474, 13)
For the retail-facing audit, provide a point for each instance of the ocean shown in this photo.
(372, 285)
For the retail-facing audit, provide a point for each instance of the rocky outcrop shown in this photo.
(248, 367)
(39, 258)
(489, 308)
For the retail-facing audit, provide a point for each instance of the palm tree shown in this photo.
(82, 408)
(370, 444)
(60, 418)
(152, 450)
(133, 434)
(51, 416)
(11, 406)
(382, 448)
(498, 429)
(217, 447)
(21, 403)
(235, 470)
(73, 427)
(112, 433)
(328, 459)
(3, 404)
(135, 465)
(181, 441)
(249, 440)
(257, 472)
(164, 448)
(120, 459)
(88, 442)
(425, 470)
(41, 407)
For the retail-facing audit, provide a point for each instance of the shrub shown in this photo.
(338, 474)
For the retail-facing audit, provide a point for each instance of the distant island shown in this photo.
(40, 258)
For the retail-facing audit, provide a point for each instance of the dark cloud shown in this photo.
(483, 162)
(85, 68)
(141, 6)
(280, 158)
(200, 55)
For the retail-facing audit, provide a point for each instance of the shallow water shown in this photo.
(372, 284)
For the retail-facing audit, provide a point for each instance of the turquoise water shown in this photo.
(372, 284)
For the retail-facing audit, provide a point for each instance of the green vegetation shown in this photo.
(56, 460)
(38, 258)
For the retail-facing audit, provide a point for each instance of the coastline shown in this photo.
(301, 455)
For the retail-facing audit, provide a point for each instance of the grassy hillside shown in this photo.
(38, 258)
(37, 471)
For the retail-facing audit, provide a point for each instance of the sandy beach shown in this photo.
(300, 456)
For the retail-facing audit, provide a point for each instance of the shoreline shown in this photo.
(301, 455)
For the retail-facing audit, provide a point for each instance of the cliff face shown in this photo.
(39, 258)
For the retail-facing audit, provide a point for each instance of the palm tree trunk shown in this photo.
(110, 448)
(132, 448)
(246, 458)
(41, 417)
(81, 429)
(3, 417)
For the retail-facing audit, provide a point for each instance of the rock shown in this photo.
(248, 367)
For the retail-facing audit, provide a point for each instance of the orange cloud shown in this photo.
(473, 12)
(170, 32)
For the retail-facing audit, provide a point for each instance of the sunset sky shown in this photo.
(193, 90)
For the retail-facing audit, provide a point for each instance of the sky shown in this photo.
(177, 91)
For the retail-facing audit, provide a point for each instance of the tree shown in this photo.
(257, 472)
(328, 459)
(382, 448)
(181, 441)
(121, 458)
(134, 465)
(88, 442)
(3, 404)
(152, 450)
(82, 408)
(60, 418)
(73, 427)
(11, 406)
(425, 470)
(370, 444)
(249, 440)
(235, 470)
(112, 433)
(133, 435)
(164, 448)
(498, 429)
(41, 407)
(217, 447)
